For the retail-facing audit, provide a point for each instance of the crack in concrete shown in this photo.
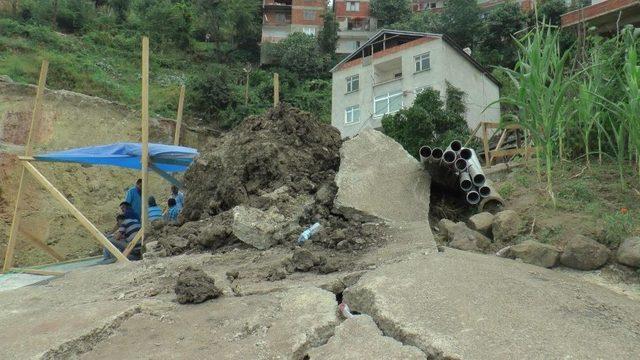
(85, 343)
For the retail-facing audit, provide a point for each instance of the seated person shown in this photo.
(128, 212)
(172, 212)
(155, 212)
(178, 195)
(127, 230)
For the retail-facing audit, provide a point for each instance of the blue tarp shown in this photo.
(168, 158)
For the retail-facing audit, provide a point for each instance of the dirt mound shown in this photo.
(286, 146)
(195, 286)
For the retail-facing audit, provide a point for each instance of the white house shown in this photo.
(392, 67)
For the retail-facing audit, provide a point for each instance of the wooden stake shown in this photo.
(145, 134)
(176, 139)
(485, 141)
(74, 211)
(276, 89)
(499, 145)
(41, 244)
(35, 116)
(40, 272)
(132, 244)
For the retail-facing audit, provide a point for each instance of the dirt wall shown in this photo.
(69, 120)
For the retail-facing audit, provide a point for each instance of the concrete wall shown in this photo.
(446, 65)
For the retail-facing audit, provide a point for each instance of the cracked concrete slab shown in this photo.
(282, 325)
(378, 177)
(359, 338)
(462, 305)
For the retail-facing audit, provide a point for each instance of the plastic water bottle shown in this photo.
(308, 233)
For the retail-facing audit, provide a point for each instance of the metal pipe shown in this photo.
(425, 154)
(492, 203)
(484, 191)
(476, 175)
(436, 153)
(461, 164)
(473, 197)
(465, 181)
(466, 153)
(449, 157)
(456, 146)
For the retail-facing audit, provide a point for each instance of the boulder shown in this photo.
(377, 177)
(481, 222)
(629, 252)
(463, 238)
(194, 286)
(260, 229)
(444, 226)
(534, 253)
(583, 253)
(506, 226)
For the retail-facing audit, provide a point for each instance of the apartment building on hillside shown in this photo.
(283, 17)
(607, 16)
(388, 71)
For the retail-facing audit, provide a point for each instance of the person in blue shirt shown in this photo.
(155, 212)
(178, 195)
(134, 197)
(171, 216)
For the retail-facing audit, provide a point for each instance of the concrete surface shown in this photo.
(359, 338)
(462, 305)
(378, 177)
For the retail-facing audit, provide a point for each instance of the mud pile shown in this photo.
(262, 183)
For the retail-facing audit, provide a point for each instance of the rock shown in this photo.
(629, 252)
(472, 306)
(153, 249)
(326, 194)
(359, 338)
(506, 226)
(194, 286)
(463, 238)
(534, 253)
(305, 260)
(583, 253)
(444, 226)
(481, 222)
(378, 178)
(260, 229)
(216, 233)
(276, 273)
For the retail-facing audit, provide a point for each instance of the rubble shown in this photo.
(195, 286)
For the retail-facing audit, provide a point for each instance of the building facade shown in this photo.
(607, 16)
(392, 67)
(283, 17)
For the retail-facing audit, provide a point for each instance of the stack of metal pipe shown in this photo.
(458, 168)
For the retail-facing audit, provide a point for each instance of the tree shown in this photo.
(328, 36)
(461, 22)
(551, 10)
(390, 11)
(121, 8)
(423, 21)
(300, 54)
(497, 46)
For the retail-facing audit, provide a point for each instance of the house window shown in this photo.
(353, 83)
(309, 31)
(309, 15)
(432, 5)
(356, 45)
(423, 62)
(352, 114)
(387, 103)
(281, 18)
(353, 6)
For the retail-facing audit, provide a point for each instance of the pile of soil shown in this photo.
(283, 163)
(195, 286)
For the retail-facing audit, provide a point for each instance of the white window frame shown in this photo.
(353, 83)
(353, 6)
(309, 12)
(387, 99)
(309, 30)
(352, 115)
(418, 60)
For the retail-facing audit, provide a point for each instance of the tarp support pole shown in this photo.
(145, 134)
(39, 272)
(132, 244)
(176, 139)
(165, 175)
(41, 244)
(35, 116)
(74, 211)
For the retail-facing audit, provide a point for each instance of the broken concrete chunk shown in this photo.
(481, 222)
(359, 338)
(195, 286)
(629, 252)
(534, 253)
(377, 177)
(583, 253)
(506, 226)
(260, 229)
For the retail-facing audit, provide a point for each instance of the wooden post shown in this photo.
(132, 244)
(145, 134)
(246, 85)
(41, 244)
(276, 89)
(176, 139)
(73, 210)
(35, 116)
(485, 141)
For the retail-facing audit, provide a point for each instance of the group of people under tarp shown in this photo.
(128, 222)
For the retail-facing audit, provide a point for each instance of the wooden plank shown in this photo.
(473, 134)
(15, 223)
(176, 139)
(38, 272)
(490, 125)
(41, 244)
(74, 211)
(132, 244)
(511, 152)
(166, 176)
(485, 142)
(276, 89)
(145, 134)
(499, 144)
(26, 158)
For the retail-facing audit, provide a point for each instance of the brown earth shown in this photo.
(69, 120)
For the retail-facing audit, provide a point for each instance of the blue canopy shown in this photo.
(168, 158)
